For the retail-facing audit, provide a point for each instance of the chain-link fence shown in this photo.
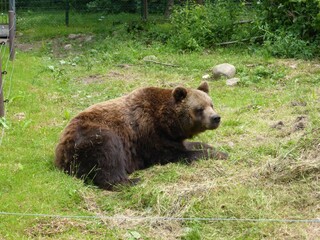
(107, 6)
(139, 7)
(76, 12)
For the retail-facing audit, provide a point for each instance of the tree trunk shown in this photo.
(169, 8)
(144, 11)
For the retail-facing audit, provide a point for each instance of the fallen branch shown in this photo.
(160, 63)
(243, 22)
(238, 41)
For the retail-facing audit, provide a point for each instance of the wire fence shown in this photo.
(160, 218)
(6, 69)
(140, 8)
(106, 6)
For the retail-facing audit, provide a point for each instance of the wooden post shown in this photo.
(67, 12)
(11, 34)
(1, 92)
(144, 10)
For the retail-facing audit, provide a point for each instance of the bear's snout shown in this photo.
(215, 119)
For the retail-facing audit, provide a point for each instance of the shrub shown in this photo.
(292, 27)
(198, 26)
(289, 45)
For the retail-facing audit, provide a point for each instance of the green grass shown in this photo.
(272, 172)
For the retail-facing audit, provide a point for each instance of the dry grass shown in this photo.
(306, 165)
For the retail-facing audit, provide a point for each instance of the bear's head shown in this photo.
(195, 110)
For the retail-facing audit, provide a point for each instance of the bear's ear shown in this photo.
(179, 93)
(204, 87)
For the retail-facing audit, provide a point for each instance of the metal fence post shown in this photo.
(1, 92)
(12, 5)
(144, 10)
(11, 34)
(67, 12)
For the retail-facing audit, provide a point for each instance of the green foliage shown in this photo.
(192, 234)
(3, 123)
(198, 26)
(292, 27)
(299, 17)
(286, 44)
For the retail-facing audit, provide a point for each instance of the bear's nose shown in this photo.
(215, 118)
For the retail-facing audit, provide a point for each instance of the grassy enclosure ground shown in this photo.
(270, 128)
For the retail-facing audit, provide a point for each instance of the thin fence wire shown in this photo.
(159, 218)
(3, 53)
(5, 70)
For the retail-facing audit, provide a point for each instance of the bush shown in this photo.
(284, 44)
(292, 27)
(198, 26)
(299, 17)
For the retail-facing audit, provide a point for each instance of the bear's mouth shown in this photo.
(213, 126)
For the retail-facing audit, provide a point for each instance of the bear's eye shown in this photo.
(199, 110)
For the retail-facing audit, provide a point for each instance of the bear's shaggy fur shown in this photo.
(110, 140)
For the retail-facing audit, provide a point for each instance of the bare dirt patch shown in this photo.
(123, 75)
(28, 47)
(93, 79)
(53, 227)
(113, 75)
(287, 128)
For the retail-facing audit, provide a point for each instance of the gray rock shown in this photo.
(232, 81)
(68, 47)
(224, 69)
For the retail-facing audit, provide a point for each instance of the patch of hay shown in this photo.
(54, 227)
(306, 165)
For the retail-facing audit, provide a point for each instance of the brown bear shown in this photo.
(109, 140)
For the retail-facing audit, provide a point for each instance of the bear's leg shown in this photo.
(101, 158)
(198, 150)
(190, 152)
(111, 162)
(197, 146)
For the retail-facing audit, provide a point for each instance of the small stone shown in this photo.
(20, 116)
(74, 36)
(68, 47)
(150, 58)
(88, 39)
(206, 76)
(293, 66)
(224, 69)
(232, 81)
